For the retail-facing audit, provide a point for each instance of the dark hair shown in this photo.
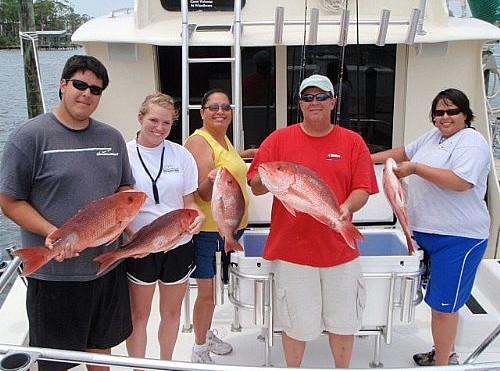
(84, 63)
(209, 93)
(458, 98)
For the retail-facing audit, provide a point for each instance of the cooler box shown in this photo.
(392, 277)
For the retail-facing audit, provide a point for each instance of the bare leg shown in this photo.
(98, 368)
(141, 297)
(294, 350)
(444, 330)
(341, 347)
(203, 310)
(171, 297)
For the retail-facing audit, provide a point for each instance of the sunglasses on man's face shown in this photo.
(449, 112)
(82, 86)
(214, 107)
(320, 97)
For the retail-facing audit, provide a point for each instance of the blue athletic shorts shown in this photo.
(205, 246)
(453, 267)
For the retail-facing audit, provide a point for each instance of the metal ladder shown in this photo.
(235, 60)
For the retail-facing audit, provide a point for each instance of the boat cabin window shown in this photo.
(364, 90)
(365, 95)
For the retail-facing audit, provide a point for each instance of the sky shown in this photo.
(96, 8)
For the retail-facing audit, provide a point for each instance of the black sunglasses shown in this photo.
(449, 112)
(82, 85)
(214, 107)
(320, 97)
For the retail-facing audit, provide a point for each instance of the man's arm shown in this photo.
(24, 215)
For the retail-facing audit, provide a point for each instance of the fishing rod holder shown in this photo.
(18, 361)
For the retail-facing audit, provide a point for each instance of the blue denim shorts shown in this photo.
(205, 246)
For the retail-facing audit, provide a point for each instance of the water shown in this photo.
(13, 109)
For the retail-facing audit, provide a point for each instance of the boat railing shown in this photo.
(116, 12)
(12, 268)
(22, 358)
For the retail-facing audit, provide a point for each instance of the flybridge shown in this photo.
(203, 5)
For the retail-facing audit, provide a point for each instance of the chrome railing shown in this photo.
(28, 355)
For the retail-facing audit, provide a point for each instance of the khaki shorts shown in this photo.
(310, 300)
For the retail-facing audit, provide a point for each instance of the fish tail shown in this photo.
(33, 258)
(231, 244)
(106, 260)
(351, 234)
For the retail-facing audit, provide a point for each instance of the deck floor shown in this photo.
(249, 351)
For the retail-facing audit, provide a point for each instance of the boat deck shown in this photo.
(250, 351)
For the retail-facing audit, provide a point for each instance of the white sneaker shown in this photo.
(201, 356)
(216, 345)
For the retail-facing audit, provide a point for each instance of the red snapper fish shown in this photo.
(301, 189)
(161, 234)
(228, 207)
(395, 194)
(97, 223)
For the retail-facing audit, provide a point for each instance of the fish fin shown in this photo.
(34, 258)
(231, 244)
(106, 260)
(301, 195)
(114, 239)
(350, 234)
(290, 209)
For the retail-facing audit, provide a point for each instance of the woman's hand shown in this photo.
(195, 227)
(405, 168)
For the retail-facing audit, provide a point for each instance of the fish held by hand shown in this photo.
(161, 234)
(228, 208)
(301, 189)
(97, 223)
(395, 194)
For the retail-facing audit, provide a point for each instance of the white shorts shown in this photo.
(310, 300)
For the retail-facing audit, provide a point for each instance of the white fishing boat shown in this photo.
(398, 54)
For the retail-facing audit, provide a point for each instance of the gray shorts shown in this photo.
(310, 300)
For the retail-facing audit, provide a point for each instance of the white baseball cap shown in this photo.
(318, 81)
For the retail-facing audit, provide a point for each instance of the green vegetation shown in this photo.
(50, 15)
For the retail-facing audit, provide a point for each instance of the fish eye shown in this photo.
(130, 198)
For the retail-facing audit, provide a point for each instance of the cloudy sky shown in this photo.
(96, 8)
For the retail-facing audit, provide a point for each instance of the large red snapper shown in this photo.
(395, 194)
(161, 234)
(228, 207)
(97, 223)
(301, 189)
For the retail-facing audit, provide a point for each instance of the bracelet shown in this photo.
(414, 168)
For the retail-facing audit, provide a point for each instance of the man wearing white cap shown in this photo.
(319, 284)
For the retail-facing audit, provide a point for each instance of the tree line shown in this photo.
(50, 15)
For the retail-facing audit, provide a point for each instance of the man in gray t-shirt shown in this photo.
(52, 166)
